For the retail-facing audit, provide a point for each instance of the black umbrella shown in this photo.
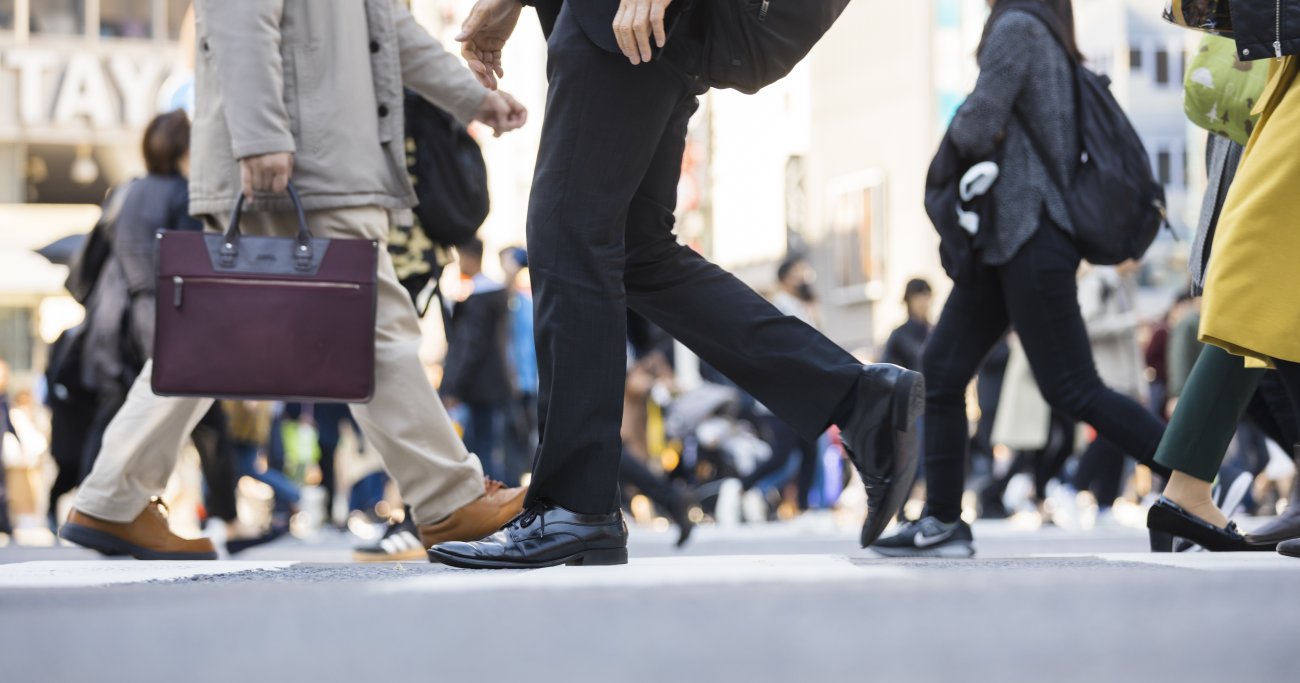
(63, 251)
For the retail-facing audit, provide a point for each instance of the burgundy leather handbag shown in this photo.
(275, 318)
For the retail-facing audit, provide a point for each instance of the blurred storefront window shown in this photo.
(16, 338)
(126, 18)
(58, 17)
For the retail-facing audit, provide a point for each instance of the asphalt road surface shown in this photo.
(783, 602)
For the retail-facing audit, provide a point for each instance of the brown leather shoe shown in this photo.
(148, 537)
(479, 519)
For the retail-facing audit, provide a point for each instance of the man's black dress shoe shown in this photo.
(881, 439)
(542, 536)
(1289, 548)
(1167, 521)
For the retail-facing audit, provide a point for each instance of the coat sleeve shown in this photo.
(245, 46)
(977, 127)
(437, 75)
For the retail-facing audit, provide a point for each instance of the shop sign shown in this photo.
(64, 89)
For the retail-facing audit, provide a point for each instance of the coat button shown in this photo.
(1245, 51)
(383, 110)
(374, 46)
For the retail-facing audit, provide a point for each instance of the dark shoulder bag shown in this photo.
(751, 44)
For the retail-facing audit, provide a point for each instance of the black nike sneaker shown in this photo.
(928, 537)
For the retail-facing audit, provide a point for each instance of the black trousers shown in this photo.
(1037, 294)
(600, 236)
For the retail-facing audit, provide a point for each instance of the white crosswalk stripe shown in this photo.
(658, 572)
(89, 573)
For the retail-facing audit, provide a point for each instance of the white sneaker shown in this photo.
(754, 507)
(726, 512)
(1064, 501)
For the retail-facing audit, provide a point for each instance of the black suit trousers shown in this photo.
(600, 235)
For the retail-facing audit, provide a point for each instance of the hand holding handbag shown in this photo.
(269, 318)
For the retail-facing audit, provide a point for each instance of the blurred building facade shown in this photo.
(79, 79)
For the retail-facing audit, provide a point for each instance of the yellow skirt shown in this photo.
(1252, 290)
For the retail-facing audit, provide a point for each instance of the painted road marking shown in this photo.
(657, 572)
(1220, 562)
(90, 573)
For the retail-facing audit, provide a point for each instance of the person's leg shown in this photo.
(1109, 478)
(604, 122)
(286, 492)
(787, 365)
(1289, 373)
(973, 320)
(783, 444)
(139, 452)
(216, 457)
(405, 420)
(329, 417)
(480, 438)
(808, 463)
(1212, 403)
(108, 401)
(1043, 301)
(1051, 460)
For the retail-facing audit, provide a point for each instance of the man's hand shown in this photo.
(502, 112)
(484, 35)
(634, 24)
(268, 173)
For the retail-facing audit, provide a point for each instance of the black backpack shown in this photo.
(1116, 203)
(752, 44)
(448, 172)
(450, 178)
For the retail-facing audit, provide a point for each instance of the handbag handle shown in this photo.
(302, 252)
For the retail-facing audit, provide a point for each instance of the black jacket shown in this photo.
(476, 366)
(1255, 25)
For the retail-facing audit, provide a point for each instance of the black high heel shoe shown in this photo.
(1167, 520)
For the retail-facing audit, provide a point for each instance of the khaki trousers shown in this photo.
(405, 421)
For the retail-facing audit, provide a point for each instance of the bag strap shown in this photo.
(1038, 12)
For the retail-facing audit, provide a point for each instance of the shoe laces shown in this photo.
(528, 516)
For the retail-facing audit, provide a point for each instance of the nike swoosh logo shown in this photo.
(923, 541)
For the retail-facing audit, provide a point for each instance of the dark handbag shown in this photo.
(959, 251)
(277, 318)
(751, 44)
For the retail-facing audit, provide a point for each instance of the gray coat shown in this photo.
(1022, 69)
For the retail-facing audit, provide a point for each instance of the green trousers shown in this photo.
(1212, 404)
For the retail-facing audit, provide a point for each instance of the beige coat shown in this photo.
(322, 79)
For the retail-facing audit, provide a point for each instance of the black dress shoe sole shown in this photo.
(108, 544)
(588, 558)
(909, 406)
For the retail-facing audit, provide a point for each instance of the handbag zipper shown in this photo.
(762, 9)
(1277, 44)
(178, 285)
